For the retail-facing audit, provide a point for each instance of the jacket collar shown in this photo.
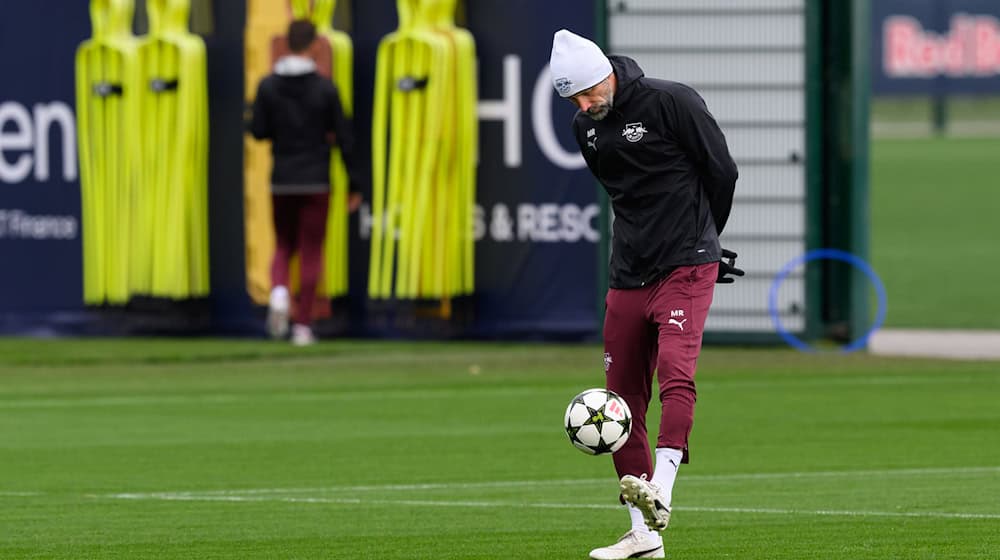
(627, 72)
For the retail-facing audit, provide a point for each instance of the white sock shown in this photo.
(668, 460)
(279, 297)
(638, 523)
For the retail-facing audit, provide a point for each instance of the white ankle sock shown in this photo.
(638, 524)
(667, 462)
(279, 297)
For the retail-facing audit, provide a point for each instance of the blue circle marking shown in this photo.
(837, 255)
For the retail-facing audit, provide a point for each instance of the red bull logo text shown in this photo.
(969, 49)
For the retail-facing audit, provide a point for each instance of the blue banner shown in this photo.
(936, 47)
(537, 210)
(537, 267)
(40, 226)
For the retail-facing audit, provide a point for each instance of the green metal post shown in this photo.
(845, 212)
(939, 113)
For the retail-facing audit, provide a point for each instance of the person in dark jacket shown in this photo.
(666, 167)
(300, 112)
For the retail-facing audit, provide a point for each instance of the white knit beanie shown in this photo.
(576, 63)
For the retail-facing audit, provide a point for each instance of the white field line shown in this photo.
(248, 493)
(543, 505)
(317, 497)
(609, 481)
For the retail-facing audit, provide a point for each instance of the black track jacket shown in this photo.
(664, 162)
(300, 112)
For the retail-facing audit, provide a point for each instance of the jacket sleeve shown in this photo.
(702, 138)
(260, 116)
(340, 125)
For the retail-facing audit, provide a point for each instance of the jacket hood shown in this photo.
(294, 65)
(627, 72)
(294, 73)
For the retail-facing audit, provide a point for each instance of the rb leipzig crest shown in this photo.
(633, 132)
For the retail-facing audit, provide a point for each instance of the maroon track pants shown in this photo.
(657, 328)
(300, 226)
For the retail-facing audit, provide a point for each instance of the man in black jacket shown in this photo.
(665, 165)
(300, 112)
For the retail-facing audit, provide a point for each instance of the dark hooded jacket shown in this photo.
(300, 112)
(664, 162)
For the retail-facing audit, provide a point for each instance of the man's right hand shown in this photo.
(726, 268)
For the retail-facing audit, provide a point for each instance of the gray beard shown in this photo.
(604, 110)
(599, 115)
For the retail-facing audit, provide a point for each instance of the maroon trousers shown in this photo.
(299, 226)
(657, 328)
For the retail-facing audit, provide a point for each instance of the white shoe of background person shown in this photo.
(277, 312)
(646, 496)
(634, 544)
(302, 335)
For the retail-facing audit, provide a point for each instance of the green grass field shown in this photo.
(915, 109)
(215, 449)
(934, 242)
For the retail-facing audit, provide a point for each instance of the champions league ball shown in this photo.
(598, 421)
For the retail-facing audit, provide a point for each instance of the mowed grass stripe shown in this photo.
(518, 504)
(687, 478)
(450, 393)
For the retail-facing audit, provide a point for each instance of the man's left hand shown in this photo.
(353, 202)
(727, 268)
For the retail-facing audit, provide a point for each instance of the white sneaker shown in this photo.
(646, 496)
(634, 544)
(302, 335)
(277, 312)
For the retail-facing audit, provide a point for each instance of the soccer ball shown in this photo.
(598, 421)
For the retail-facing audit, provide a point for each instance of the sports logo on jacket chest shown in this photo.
(633, 131)
(592, 139)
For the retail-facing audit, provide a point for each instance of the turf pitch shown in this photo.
(934, 233)
(359, 449)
